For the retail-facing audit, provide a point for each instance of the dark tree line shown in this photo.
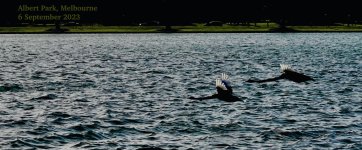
(186, 12)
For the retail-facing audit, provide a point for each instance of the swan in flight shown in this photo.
(224, 90)
(287, 73)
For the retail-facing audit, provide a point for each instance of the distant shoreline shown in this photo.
(172, 32)
(258, 28)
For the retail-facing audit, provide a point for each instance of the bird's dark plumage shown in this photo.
(287, 73)
(224, 91)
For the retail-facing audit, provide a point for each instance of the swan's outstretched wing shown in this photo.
(225, 80)
(284, 67)
(224, 77)
(220, 84)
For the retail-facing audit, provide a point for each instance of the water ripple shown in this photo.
(130, 91)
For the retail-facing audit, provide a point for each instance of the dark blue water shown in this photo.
(130, 91)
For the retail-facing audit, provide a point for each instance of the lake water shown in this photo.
(130, 91)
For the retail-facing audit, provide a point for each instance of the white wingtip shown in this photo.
(284, 67)
(220, 84)
(224, 76)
